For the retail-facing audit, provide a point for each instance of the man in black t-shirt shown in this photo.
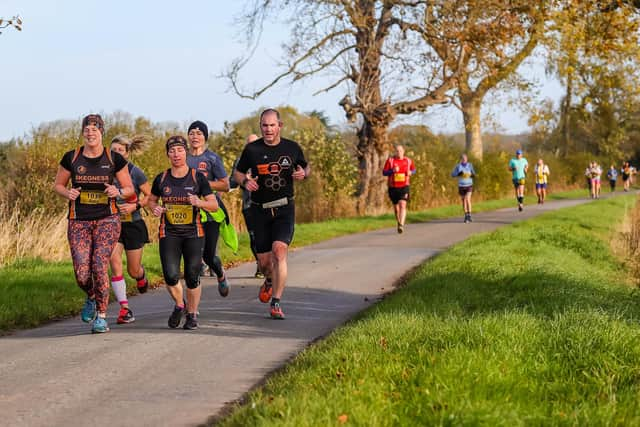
(274, 163)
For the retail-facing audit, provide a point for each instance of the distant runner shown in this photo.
(541, 173)
(596, 175)
(275, 163)
(398, 169)
(519, 167)
(465, 173)
(183, 192)
(626, 172)
(133, 233)
(612, 175)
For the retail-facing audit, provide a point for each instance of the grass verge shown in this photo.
(533, 324)
(33, 291)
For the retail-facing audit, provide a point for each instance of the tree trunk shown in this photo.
(565, 114)
(472, 127)
(372, 154)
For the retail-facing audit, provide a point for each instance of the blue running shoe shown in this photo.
(89, 313)
(223, 287)
(100, 326)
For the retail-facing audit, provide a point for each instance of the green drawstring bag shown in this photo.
(227, 230)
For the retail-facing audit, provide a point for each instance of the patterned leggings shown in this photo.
(91, 244)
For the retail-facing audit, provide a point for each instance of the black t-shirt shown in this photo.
(181, 219)
(90, 175)
(273, 166)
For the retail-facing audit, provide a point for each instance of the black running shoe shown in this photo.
(176, 317)
(191, 322)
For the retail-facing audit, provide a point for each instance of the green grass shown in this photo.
(35, 291)
(533, 324)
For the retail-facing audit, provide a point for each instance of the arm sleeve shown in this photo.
(155, 188)
(300, 157)
(387, 171)
(232, 180)
(243, 164)
(65, 162)
(118, 161)
(454, 172)
(216, 167)
(203, 185)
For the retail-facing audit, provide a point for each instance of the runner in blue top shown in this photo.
(210, 165)
(612, 174)
(465, 174)
(519, 167)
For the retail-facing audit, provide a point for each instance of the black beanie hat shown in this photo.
(201, 126)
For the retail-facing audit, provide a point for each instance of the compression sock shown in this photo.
(119, 289)
(520, 199)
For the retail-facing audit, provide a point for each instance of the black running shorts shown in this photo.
(133, 235)
(272, 225)
(397, 194)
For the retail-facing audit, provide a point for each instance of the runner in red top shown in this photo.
(399, 168)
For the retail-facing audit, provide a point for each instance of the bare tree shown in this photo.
(15, 22)
(485, 41)
(374, 50)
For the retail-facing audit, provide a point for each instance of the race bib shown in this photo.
(466, 175)
(93, 198)
(126, 217)
(179, 214)
(399, 177)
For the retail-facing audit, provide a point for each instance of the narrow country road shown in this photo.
(147, 374)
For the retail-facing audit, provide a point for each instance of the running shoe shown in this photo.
(176, 317)
(125, 316)
(466, 218)
(191, 322)
(520, 207)
(258, 274)
(266, 290)
(400, 228)
(469, 218)
(89, 313)
(276, 311)
(144, 287)
(223, 287)
(100, 326)
(204, 268)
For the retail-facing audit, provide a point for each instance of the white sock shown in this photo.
(119, 289)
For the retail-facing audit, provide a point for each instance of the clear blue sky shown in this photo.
(158, 59)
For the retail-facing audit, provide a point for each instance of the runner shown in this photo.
(184, 191)
(277, 162)
(94, 225)
(465, 174)
(133, 233)
(541, 172)
(210, 165)
(612, 175)
(587, 174)
(246, 212)
(596, 174)
(519, 166)
(626, 175)
(399, 168)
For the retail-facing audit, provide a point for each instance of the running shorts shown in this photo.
(399, 193)
(518, 182)
(543, 185)
(463, 191)
(272, 225)
(133, 235)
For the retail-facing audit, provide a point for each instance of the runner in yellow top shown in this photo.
(541, 174)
